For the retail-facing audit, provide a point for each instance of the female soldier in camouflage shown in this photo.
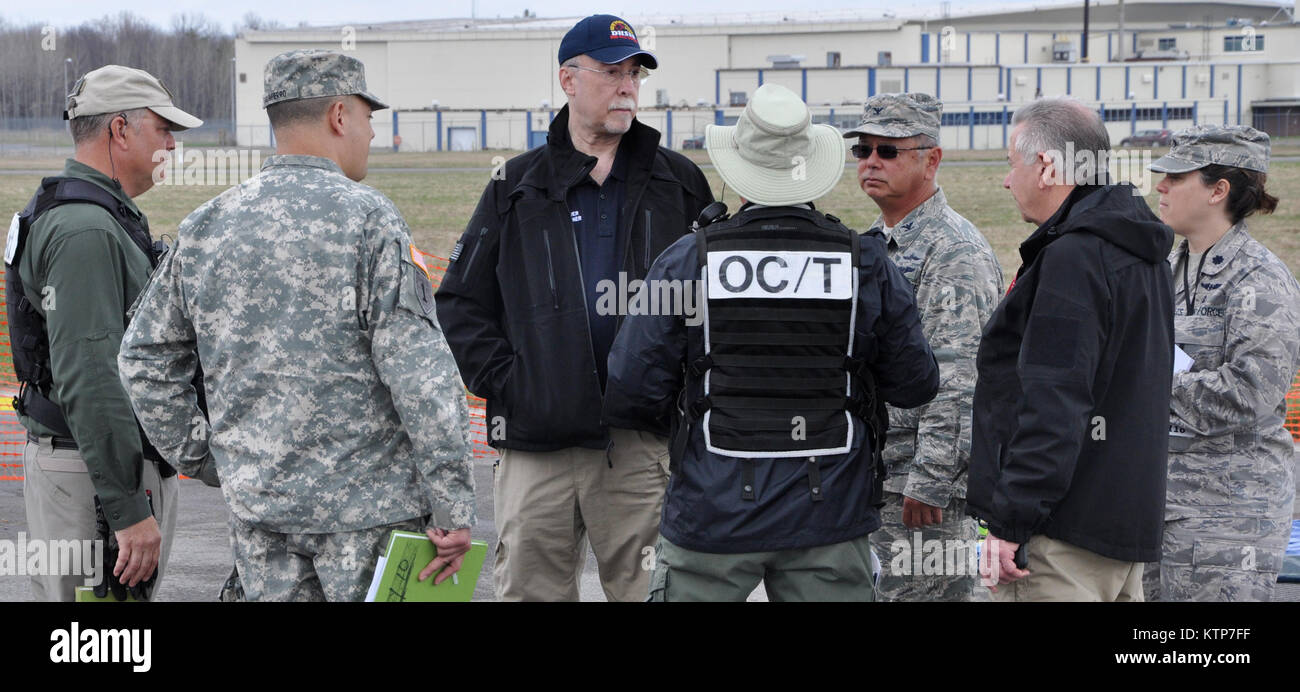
(1237, 315)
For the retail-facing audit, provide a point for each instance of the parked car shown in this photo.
(693, 142)
(1148, 138)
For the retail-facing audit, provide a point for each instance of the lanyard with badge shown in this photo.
(1176, 427)
(1189, 294)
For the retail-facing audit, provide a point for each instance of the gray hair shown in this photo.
(87, 127)
(1060, 125)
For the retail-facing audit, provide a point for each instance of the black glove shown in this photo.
(109, 581)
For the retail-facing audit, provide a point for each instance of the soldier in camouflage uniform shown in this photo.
(1237, 315)
(957, 281)
(337, 414)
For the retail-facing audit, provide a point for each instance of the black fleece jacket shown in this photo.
(1072, 403)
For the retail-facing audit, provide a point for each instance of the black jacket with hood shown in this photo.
(512, 304)
(1071, 408)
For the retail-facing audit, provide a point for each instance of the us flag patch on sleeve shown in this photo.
(418, 259)
(455, 253)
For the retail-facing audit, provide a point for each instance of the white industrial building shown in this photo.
(458, 84)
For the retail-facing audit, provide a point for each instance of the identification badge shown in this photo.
(781, 275)
(11, 243)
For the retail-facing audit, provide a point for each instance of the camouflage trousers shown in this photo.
(909, 570)
(309, 566)
(1218, 559)
(836, 572)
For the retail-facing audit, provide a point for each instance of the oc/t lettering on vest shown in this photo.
(780, 275)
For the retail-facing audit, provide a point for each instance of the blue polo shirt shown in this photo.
(595, 210)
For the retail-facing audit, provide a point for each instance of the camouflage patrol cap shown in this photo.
(1224, 145)
(305, 74)
(899, 115)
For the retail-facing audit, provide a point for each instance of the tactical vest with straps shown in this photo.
(27, 334)
(778, 377)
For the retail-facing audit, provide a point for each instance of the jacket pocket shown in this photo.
(473, 254)
(550, 270)
(648, 226)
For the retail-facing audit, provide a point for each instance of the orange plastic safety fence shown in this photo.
(1293, 408)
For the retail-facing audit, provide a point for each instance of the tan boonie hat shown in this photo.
(1224, 145)
(774, 155)
(113, 88)
(899, 115)
(307, 74)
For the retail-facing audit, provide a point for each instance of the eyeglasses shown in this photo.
(616, 76)
(885, 151)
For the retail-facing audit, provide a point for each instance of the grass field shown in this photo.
(437, 205)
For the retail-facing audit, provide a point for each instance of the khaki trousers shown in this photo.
(1060, 571)
(548, 504)
(60, 501)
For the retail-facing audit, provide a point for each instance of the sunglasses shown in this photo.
(885, 151)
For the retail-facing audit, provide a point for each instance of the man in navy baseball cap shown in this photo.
(605, 199)
(605, 38)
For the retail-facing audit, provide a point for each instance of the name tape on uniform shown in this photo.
(785, 275)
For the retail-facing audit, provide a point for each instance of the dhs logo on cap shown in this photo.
(619, 29)
(604, 38)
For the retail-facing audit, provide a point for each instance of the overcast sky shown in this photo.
(327, 12)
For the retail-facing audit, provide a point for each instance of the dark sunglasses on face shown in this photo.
(885, 151)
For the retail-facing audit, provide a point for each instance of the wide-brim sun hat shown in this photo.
(774, 155)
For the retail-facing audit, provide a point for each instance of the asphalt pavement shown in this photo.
(201, 561)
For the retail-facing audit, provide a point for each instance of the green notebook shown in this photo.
(397, 572)
(86, 594)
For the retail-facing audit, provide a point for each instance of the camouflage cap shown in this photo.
(1224, 145)
(305, 74)
(899, 115)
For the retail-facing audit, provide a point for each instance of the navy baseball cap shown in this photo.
(606, 38)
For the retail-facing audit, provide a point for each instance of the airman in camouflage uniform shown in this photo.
(957, 281)
(337, 413)
(1231, 463)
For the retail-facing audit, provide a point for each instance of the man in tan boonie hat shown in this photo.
(84, 246)
(957, 281)
(774, 155)
(777, 424)
(1196, 147)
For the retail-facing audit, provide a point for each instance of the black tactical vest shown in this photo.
(777, 378)
(27, 335)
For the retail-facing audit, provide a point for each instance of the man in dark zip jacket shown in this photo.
(530, 305)
(1069, 446)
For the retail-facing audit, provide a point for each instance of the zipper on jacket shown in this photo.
(586, 315)
(647, 240)
(469, 263)
(550, 273)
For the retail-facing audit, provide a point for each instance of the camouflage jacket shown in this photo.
(1228, 451)
(335, 404)
(958, 282)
